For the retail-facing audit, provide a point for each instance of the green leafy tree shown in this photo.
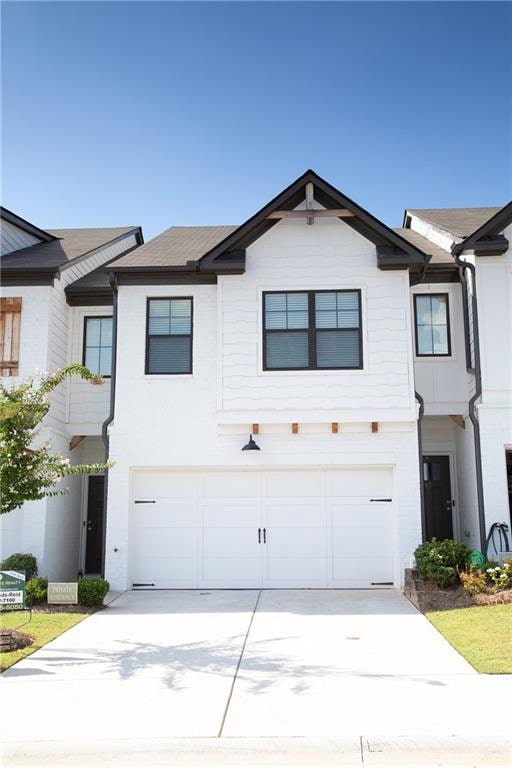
(30, 471)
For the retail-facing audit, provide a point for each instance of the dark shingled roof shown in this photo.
(438, 254)
(175, 247)
(460, 222)
(71, 244)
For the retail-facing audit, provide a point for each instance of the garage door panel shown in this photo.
(359, 482)
(293, 514)
(223, 542)
(296, 542)
(223, 572)
(220, 485)
(180, 542)
(287, 484)
(359, 516)
(161, 484)
(164, 514)
(296, 572)
(352, 541)
(362, 571)
(239, 515)
(166, 572)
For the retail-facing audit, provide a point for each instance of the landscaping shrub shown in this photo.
(21, 562)
(473, 581)
(91, 592)
(499, 577)
(441, 561)
(36, 590)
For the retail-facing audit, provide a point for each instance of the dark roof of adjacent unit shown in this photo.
(459, 222)
(66, 246)
(176, 246)
(438, 254)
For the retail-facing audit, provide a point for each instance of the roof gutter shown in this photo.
(463, 265)
(110, 417)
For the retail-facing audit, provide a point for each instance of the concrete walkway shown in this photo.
(327, 667)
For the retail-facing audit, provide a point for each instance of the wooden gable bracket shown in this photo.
(255, 429)
(76, 440)
(375, 426)
(334, 427)
(311, 213)
(295, 428)
(459, 420)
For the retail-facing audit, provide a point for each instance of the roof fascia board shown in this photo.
(363, 222)
(28, 276)
(25, 225)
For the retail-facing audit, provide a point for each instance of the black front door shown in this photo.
(94, 524)
(438, 497)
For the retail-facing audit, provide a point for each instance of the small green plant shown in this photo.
(473, 581)
(91, 592)
(21, 561)
(441, 561)
(36, 591)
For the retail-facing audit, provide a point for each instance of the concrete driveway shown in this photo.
(240, 664)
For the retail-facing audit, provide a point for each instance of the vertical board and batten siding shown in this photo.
(13, 238)
(60, 323)
(10, 321)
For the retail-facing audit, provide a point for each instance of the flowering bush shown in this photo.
(473, 581)
(441, 561)
(500, 577)
(28, 470)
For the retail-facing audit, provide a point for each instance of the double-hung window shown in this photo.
(312, 330)
(432, 321)
(97, 355)
(169, 335)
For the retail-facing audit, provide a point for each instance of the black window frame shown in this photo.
(84, 341)
(190, 335)
(435, 295)
(312, 330)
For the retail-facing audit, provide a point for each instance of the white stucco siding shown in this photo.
(443, 382)
(88, 405)
(13, 238)
(327, 255)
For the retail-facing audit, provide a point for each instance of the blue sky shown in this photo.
(199, 113)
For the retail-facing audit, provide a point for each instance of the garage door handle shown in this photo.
(388, 500)
(264, 535)
(259, 535)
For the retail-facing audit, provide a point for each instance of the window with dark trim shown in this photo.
(312, 330)
(169, 335)
(432, 324)
(97, 355)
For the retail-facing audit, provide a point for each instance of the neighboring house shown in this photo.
(361, 359)
(48, 319)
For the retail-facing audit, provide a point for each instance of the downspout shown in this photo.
(110, 417)
(463, 265)
(421, 413)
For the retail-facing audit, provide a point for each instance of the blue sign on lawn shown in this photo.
(12, 590)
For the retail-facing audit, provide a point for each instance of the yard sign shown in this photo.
(12, 590)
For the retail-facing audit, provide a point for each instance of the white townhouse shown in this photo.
(294, 402)
(53, 311)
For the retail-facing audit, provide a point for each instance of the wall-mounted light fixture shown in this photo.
(251, 445)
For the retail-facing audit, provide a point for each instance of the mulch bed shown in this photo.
(436, 599)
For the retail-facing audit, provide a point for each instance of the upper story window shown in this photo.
(10, 321)
(312, 330)
(169, 335)
(98, 345)
(432, 321)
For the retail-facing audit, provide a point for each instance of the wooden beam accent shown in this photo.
(310, 201)
(255, 429)
(334, 427)
(295, 428)
(375, 426)
(459, 420)
(339, 213)
(76, 440)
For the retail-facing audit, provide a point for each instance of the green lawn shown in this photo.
(43, 628)
(482, 634)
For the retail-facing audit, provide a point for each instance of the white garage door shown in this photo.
(236, 529)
